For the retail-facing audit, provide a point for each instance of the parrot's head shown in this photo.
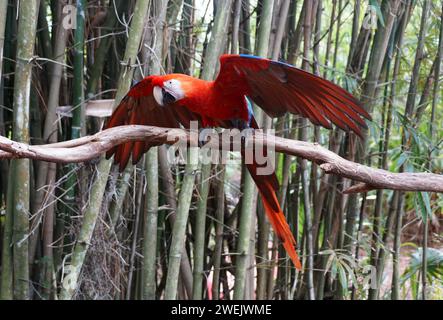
(167, 90)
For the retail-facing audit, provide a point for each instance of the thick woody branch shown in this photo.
(90, 147)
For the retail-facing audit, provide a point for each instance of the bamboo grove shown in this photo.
(163, 230)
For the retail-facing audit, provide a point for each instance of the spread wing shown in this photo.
(139, 107)
(279, 88)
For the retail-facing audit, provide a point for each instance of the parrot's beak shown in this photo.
(158, 95)
(163, 96)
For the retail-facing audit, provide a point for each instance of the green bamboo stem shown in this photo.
(431, 135)
(78, 113)
(103, 48)
(200, 228)
(219, 227)
(396, 281)
(138, 193)
(211, 59)
(214, 49)
(337, 38)
(171, 200)
(215, 45)
(121, 189)
(249, 190)
(23, 72)
(245, 32)
(44, 34)
(408, 113)
(373, 293)
(150, 226)
(263, 223)
(3, 8)
(46, 173)
(179, 228)
(379, 49)
(183, 61)
(236, 26)
(395, 287)
(307, 230)
(6, 276)
(70, 281)
(151, 209)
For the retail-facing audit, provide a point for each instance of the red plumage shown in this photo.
(174, 100)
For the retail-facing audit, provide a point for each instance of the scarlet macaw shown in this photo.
(176, 99)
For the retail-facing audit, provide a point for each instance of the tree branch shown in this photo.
(90, 147)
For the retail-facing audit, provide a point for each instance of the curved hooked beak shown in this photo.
(162, 96)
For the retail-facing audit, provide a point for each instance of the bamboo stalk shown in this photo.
(23, 72)
(395, 295)
(70, 281)
(150, 229)
(236, 27)
(6, 274)
(44, 34)
(171, 200)
(151, 209)
(409, 108)
(77, 127)
(131, 293)
(249, 188)
(219, 227)
(46, 174)
(307, 230)
(199, 233)
(329, 39)
(7, 278)
(101, 52)
(122, 186)
(214, 49)
(379, 49)
(245, 28)
(435, 100)
(3, 8)
(179, 229)
(78, 113)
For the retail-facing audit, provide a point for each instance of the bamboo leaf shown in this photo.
(424, 204)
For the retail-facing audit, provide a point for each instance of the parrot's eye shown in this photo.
(167, 97)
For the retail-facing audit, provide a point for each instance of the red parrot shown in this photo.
(176, 99)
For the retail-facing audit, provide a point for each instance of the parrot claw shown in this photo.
(245, 136)
(202, 138)
(240, 124)
(201, 143)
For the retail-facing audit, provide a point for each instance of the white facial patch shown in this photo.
(173, 86)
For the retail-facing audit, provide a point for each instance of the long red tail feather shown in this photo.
(266, 186)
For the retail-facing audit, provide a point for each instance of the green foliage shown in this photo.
(349, 272)
(434, 272)
(423, 205)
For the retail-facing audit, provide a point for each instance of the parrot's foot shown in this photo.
(240, 124)
(204, 136)
(202, 139)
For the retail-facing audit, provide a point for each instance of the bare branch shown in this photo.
(90, 147)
